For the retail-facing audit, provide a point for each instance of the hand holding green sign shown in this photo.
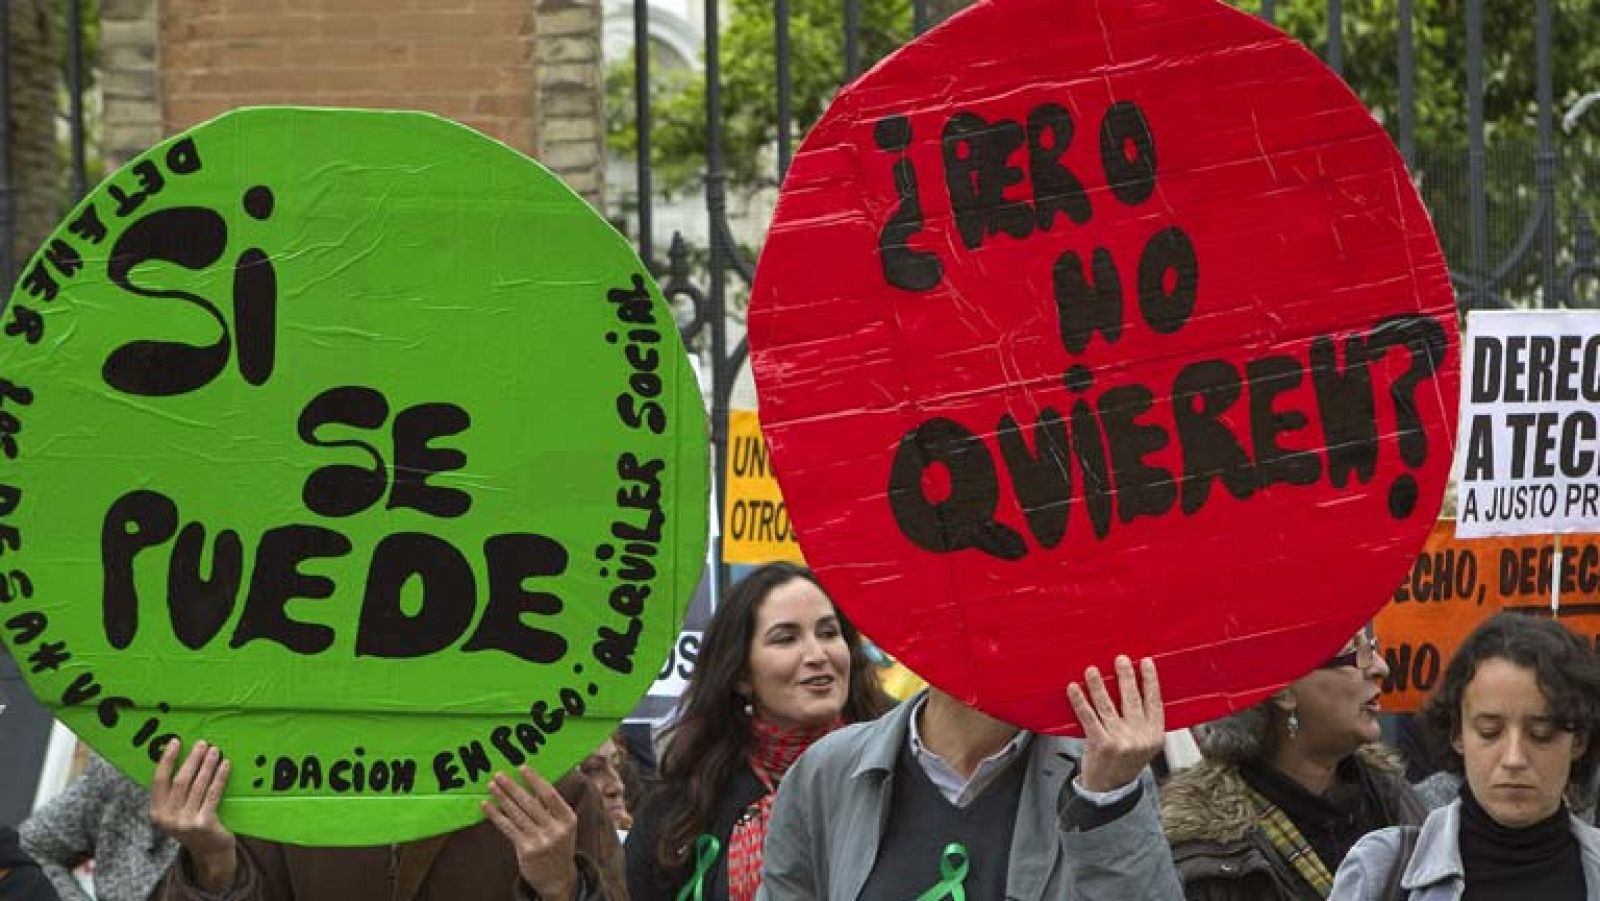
(356, 444)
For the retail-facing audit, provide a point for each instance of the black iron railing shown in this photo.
(1480, 280)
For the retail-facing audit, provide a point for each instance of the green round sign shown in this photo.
(354, 443)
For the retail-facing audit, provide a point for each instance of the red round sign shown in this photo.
(1088, 328)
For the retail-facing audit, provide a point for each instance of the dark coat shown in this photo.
(1220, 852)
(466, 865)
(20, 878)
(648, 880)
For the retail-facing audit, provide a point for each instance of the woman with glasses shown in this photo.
(1287, 787)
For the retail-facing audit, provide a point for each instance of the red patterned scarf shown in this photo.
(773, 749)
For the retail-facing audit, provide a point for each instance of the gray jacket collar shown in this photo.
(1437, 857)
(883, 746)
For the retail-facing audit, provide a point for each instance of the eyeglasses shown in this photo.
(1363, 657)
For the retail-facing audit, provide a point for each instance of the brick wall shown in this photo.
(526, 72)
(570, 114)
(129, 79)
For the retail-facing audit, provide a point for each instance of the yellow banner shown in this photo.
(755, 522)
(1457, 583)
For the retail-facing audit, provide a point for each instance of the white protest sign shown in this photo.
(1529, 448)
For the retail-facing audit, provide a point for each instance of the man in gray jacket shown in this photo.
(937, 796)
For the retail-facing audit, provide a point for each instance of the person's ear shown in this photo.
(1580, 745)
(1285, 701)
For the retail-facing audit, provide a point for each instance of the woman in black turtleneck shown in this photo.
(1520, 707)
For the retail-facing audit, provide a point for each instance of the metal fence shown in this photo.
(1534, 245)
(1517, 222)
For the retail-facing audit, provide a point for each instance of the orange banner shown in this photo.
(1456, 583)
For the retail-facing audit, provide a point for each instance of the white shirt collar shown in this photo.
(956, 788)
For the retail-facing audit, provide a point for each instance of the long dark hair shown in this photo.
(709, 740)
(1567, 672)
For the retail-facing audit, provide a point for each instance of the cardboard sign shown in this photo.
(1458, 582)
(1530, 448)
(1075, 335)
(756, 526)
(355, 443)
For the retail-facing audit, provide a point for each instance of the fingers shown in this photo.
(185, 778)
(213, 793)
(1093, 731)
(1128, 687)
(184, 805)
(523, 813)
(1101, 698)
(500, 820)
(1140, 694)
(547, 797)
(161, 785)
(1154, 711)
(195, 799)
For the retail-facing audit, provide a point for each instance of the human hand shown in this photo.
(1118, 746)
(542, 830)
(184, 806)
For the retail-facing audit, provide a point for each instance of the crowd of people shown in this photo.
(788, 773)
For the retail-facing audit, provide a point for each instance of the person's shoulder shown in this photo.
(115, 789)
(1426, 849)
(843, 745)
(1368, 866)
(842, 750)
(1206, 804)
(1587, 835)
(1378, 845)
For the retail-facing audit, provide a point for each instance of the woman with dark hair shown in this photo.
(1288, 786)
(779, 667)
(1519, 708)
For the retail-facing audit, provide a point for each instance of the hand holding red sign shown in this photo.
(1117, 345)
(1118, 744)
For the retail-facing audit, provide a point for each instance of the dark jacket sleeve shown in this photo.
(646, 880)
(180, 883)
(20, 878)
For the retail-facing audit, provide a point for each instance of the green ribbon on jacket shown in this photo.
(706, 850)
(952, 875)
